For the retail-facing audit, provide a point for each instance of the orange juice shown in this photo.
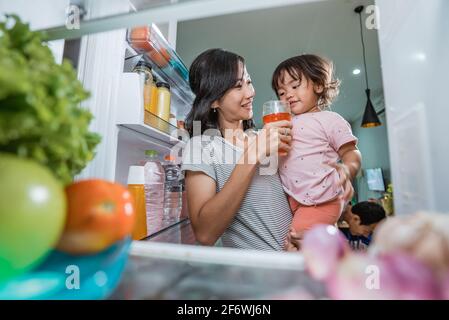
(273, 117)
(278, 116)
(140, 226)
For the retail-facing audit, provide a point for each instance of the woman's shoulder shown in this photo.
(202, 147)
(203, 141)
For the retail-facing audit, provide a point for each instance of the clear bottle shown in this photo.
(154, 191)
(173, 189)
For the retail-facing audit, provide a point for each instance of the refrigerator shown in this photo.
(414, 49)
(413, 60)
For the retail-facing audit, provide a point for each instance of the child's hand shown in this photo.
(293, 241)
(345, 180)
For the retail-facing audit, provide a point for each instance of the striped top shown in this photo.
(264, 217)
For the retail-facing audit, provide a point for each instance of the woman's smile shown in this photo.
(248, 105)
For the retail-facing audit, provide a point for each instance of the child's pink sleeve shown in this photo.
(340, 132)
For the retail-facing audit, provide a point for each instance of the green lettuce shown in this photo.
(40, 113)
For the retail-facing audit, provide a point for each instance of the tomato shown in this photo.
(99, 214)
(32, 214)
(139, 37)
(159, 57)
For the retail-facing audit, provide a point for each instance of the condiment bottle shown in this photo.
(163, 101)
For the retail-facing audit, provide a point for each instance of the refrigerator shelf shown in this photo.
(157, 128)
(147, 43)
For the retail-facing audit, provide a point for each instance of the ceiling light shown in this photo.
(370, 118)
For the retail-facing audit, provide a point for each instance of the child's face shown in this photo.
(301, 95)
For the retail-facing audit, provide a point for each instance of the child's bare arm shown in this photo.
(351, 159)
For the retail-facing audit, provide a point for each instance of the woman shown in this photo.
(228, 196)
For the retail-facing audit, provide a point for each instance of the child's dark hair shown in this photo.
(369, 212)
(211, 75)
(315, 68)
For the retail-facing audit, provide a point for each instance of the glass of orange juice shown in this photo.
(276, 110)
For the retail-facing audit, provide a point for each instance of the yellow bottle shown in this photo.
(163, 101)
(136, 187)
(154, 93)
(145, 68)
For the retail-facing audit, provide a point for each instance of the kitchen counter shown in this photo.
(173, 271)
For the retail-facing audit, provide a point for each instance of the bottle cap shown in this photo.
(136, 175)
(163, 84)
(143, 63)
(151, 153)
(169, 157)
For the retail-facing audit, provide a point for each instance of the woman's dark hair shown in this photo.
(315, 68)
(211, 75)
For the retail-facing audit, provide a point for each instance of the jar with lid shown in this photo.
(163, 101)
(144, 69)
(154, 94)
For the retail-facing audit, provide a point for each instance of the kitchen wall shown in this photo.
(51, 13)
(373, 144)
(330, 28)
(266, 37)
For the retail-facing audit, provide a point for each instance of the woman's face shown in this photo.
(237, 103)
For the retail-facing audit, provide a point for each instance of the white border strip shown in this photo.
(217, 255)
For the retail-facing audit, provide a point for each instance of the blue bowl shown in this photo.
(66, 277)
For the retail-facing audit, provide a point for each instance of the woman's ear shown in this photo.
(214, 105)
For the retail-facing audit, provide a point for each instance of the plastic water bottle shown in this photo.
(154, 191)
(173, 190)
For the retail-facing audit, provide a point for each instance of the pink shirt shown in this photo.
(317, 137)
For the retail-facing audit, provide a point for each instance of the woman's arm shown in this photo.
(211, 212)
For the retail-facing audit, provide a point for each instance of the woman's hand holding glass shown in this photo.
(280, 133)
(275, 137)
(275, 114)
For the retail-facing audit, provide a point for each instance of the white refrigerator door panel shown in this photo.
(414, 48)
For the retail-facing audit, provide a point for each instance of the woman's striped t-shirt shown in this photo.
(264, 217)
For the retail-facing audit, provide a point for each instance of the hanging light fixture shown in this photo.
(370, 118)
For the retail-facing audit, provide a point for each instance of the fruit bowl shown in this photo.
(67, 277)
